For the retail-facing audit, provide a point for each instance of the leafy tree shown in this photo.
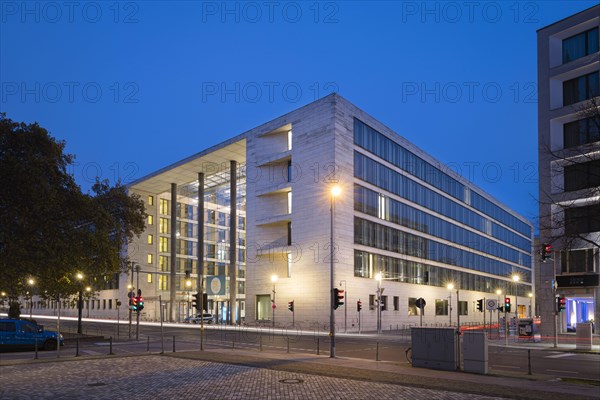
(49, 229)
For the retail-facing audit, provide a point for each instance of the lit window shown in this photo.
(289, 140)
(150, 200)
(149, 278)
(289, 201)
(150, 239)
(150, 219)
(149, 258)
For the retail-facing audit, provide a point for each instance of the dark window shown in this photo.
(581, 132)
(582, 176)
(289, 171)
(463, 308)
(384, 303)
(577, 261)
(580, 88)
(372, 301)
(582, 219)
(289, 233)
(441, 307)
(580, 45)
(396, 303)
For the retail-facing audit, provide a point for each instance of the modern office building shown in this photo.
(569, 169)
(272, 229)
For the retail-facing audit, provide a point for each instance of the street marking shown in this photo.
(561, 355)
(506, 366)
(562, 372)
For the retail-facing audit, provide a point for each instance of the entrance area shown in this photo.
(579, 309)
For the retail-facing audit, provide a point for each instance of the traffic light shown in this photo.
(480, 304)
(507, 304)
(140, 303)
(338, 296)
(546, 251)
(205, 301)
(358, 305)
(133, 303)
(291, 306)
(561, 304)
(196, 301)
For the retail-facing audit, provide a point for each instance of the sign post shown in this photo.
(420, 302)
(490, 304)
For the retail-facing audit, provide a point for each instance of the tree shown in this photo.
(49, 229)
(570, 209)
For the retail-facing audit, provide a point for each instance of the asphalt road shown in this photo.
(388, 347)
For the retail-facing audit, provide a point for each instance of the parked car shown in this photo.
(208, 319)
(21, 334)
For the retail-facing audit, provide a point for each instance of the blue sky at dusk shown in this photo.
(135, 86)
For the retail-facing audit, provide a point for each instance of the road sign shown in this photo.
(420, 302)
(491, 304)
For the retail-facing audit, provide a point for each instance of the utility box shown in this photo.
(583, 336)
(475, 352)
(434, 348)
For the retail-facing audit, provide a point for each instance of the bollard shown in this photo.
(148, 345)
(377, 352)
(318, 346)
(173, 343)
(36, 349)
(110, 352)
(288, 345)
(77, 348)
(529, 361)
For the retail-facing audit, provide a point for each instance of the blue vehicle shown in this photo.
(21, 334)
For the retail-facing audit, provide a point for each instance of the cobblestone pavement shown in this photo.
(159, 377)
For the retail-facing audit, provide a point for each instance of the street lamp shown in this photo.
(498, 293)
(88, 291)
(450, 286)
(188, 285)
(378, 278)
(79, 302)
(274, 279)
(335, 191)
(516, 279)
(31, 282)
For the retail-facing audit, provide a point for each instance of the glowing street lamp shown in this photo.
(31, 283)
(450, 286)
(378, 278)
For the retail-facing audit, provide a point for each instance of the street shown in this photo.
(387, 348)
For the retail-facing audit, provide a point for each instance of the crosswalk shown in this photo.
(560, 355)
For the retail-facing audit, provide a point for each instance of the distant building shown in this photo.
(400, 213)
(569, 169)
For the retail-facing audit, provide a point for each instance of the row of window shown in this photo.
(580, 45)
(577, 261)
(90, 304)
(383, 147)
(378, 236)
(180, 284)
(379, 175)
(372, 203)
(367, 265)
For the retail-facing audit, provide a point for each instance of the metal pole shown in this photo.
(129, 295)
(331, 300)
(79, 310)
(458, 312)
(345, 306)
(273, 306)
(137, 313)
(162, 333)
(450, 307)
(378, 306)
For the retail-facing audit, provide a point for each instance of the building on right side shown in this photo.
(569, 172)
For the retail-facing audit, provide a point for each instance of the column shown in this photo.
(200, 244)
(173, 254)
(231, 319)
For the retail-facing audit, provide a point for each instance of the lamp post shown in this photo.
(516, 278)
(530, 301)
(188, 285)
(345, 308)
(335, 191)
(31, 282)
(79, 302)
(498, 293)
(88, 294)
(378, 278)
(450, 286)
(274, 279)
